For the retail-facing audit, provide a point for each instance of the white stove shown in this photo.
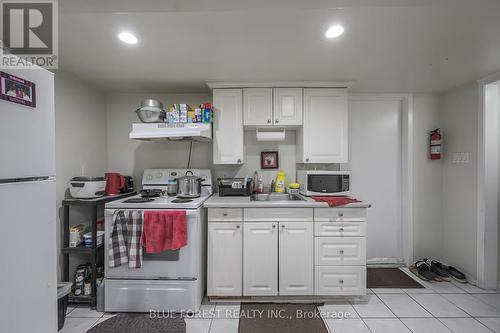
(167, 281)
(157, 179)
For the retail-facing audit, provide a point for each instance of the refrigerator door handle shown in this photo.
(26, 179)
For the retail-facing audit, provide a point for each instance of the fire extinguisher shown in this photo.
(435, 144)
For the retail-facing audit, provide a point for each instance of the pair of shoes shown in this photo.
(424, 272)
(433, 270)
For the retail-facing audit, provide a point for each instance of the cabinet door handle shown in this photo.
(341, 251)
(276, 121)
(224, 214)
(239, 161)
(341, 214)
(341, 229)
(307, 160)
(237, 227)
(269, 121)
(283, 226)
(274, 226)
(341, 281)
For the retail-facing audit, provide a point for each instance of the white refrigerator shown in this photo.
(28, 242)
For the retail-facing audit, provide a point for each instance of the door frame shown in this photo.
(487, 215)
(407, 174)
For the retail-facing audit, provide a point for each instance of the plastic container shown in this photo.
(279, 186)
(63, 290)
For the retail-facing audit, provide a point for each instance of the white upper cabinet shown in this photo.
(257, 106)
(287, 106)
(268, 106)
(324, 134)
(228, 126)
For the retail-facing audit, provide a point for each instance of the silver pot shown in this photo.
(151, 103)
(189, 186)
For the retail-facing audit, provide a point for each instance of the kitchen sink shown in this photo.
(276, 197)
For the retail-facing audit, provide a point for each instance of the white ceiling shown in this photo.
(388, 46)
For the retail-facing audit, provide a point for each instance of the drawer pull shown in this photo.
(274, 226)
(341, 251)
(341, 229)
(224, 214)
(237, 227)
(341, 281)
(341, 214)
(283, 226)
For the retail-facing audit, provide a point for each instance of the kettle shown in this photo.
(114, 183)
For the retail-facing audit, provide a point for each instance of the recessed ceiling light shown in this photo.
(128, 38)
(334, 31)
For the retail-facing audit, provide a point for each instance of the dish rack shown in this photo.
(234, 187)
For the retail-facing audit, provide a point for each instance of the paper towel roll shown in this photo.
(270, 135)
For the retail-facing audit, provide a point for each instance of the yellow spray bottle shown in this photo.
(280, 182)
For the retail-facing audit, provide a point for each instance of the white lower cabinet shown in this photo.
(296, 258)
(286, 255)
(340, 280)
(224, 267)
(260, 259)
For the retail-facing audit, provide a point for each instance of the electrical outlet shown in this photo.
(460, 158)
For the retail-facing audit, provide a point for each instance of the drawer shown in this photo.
(339, 251)
(339, 214)
(340, 280)
(225, 214)
(340, 229)
(278, 214)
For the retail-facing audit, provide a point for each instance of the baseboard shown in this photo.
(385, 262)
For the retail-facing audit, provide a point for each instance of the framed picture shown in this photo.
(17, 90)
(269, 160)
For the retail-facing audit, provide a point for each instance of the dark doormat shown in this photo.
(140, 322)
(280, 318)
(390, 278)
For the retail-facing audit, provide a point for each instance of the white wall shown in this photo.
(459, 124)
(427, 191)
(132, 157)
(80, 137)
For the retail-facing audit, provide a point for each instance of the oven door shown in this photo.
(182, 264)
(325, 184)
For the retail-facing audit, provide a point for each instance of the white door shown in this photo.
(296, 258)
(324, 136)
(228, 126)
(224, 259)
(260, 259)
(28, 252)
(257, 106)
(287, 106)
(375, 141)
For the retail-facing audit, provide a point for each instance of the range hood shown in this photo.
(171, 132)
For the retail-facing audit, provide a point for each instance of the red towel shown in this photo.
(336, 201)
(164, 230)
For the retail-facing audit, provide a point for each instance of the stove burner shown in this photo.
(139, 200)
(186, 197)
(151, 193)
(181, 200)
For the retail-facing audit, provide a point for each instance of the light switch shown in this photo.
(460, 157)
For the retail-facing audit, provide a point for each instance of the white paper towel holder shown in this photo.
(270, 134)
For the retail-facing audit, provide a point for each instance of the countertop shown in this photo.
(244, 202)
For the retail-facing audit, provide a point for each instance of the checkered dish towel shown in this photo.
(125, 239)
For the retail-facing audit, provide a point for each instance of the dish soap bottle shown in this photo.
(279, 186)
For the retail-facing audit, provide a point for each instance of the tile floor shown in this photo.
(440, 307)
